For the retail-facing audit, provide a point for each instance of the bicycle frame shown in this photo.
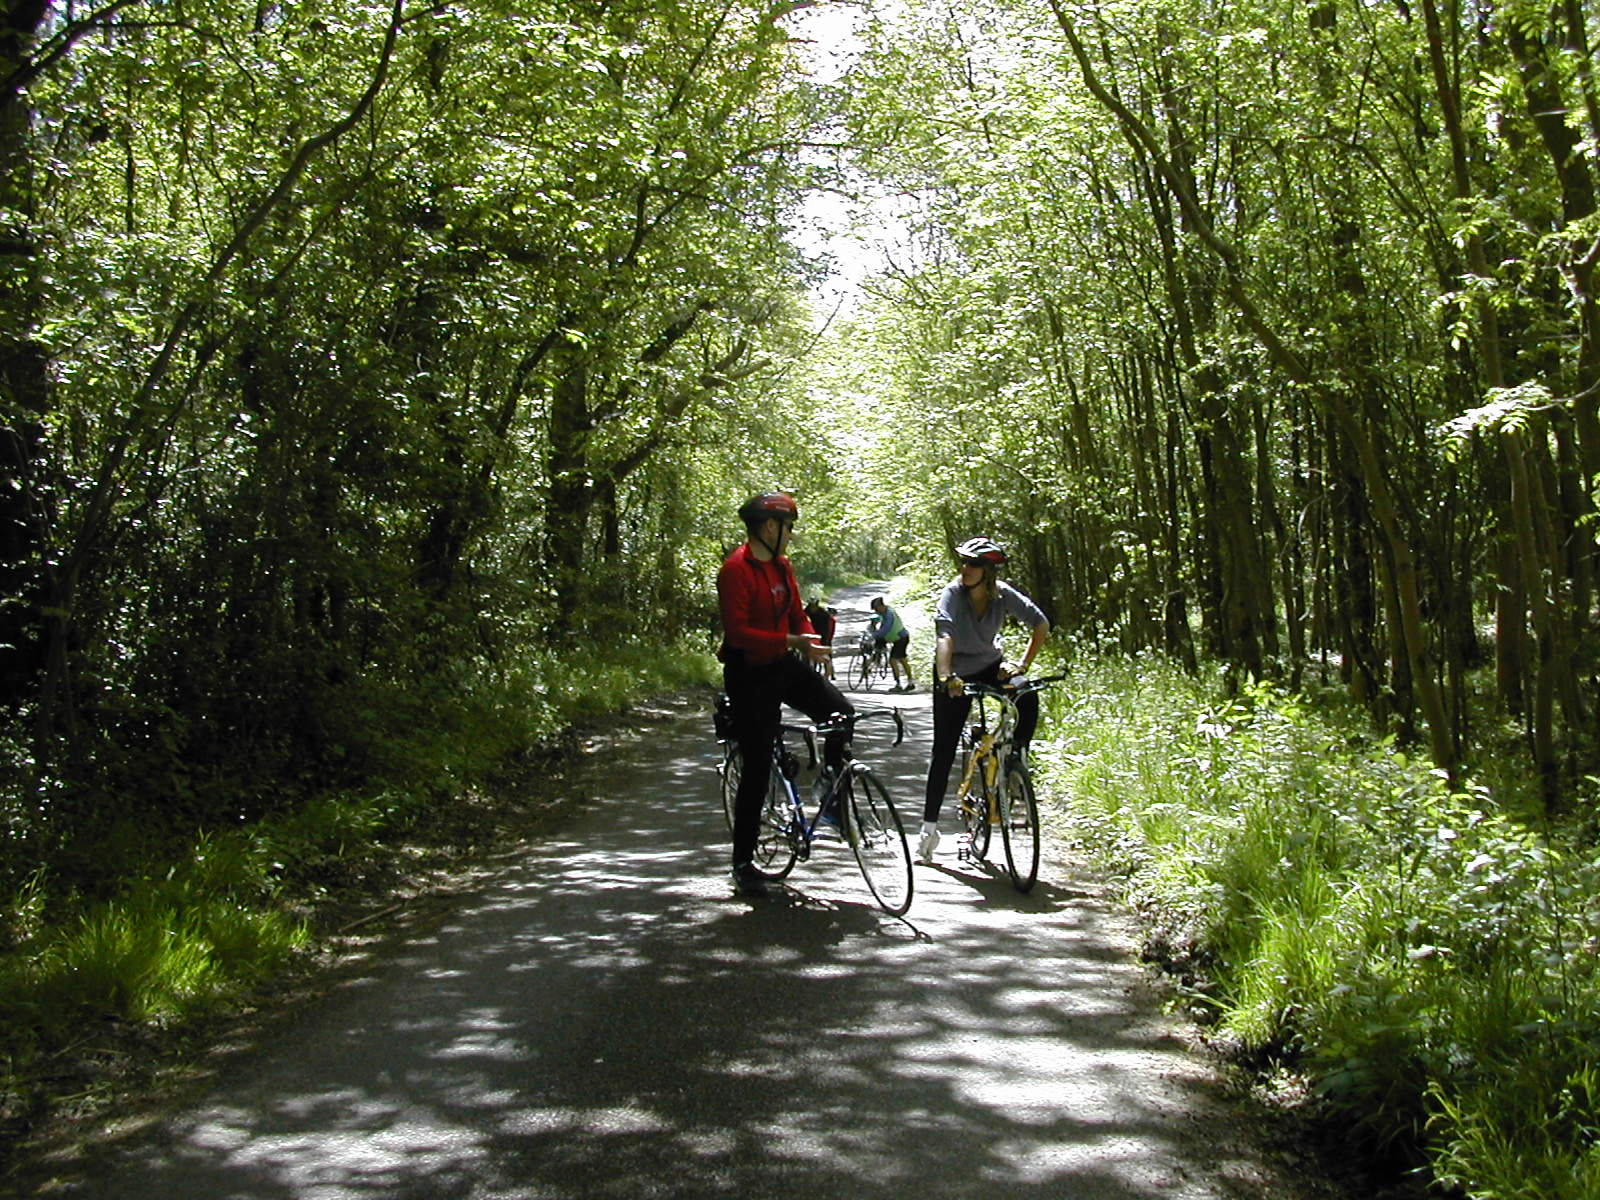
(866, 644)
(838, 785)
(871, 659)
(990, 738)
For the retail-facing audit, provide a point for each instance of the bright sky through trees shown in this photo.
(851, 232)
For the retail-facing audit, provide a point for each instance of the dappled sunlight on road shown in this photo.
(605, 1018)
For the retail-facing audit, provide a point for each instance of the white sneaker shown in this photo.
(926, 845)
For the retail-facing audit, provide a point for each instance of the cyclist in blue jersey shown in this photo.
(889, 630)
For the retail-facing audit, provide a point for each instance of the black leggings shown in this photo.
(949, 716)
(757, 695)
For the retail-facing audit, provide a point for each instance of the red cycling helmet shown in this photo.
(769, 504)
(981, 550)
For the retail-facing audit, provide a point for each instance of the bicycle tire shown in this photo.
(1019, 827)
(878, 840)
(975, 812)
(775, 846)
(776, 843)
(860, 673)
(731, 767)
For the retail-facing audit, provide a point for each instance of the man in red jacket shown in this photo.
(768, 647)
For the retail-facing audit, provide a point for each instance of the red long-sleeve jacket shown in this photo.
(760, 607)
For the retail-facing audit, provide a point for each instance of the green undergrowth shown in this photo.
(1425, 954)
(190, 925)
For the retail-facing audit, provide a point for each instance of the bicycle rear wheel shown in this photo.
(1019, 827)
(776, 839)
(878, 841)
(775, 843)
(731, 767)
(975, 810)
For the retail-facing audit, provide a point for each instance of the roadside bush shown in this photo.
(1415, 949)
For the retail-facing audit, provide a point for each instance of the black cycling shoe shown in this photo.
(749, 881)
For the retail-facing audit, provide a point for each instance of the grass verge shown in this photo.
(1419, 953)
(87, 983)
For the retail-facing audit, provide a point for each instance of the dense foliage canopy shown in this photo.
(351, 353)
(374, 373)
(355, 356)
(1274, 323)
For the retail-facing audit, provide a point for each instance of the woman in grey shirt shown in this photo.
(968, 622)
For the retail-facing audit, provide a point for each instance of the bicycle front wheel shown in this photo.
(1019, 827)
(861, 672)
(975, 809)
(878, 841)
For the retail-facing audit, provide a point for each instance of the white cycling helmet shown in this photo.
(981, 550)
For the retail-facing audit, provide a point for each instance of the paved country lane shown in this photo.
(604, 1018)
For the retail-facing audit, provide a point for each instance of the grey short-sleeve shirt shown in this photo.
(977, 639)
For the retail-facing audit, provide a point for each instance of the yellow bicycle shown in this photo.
(996, 786)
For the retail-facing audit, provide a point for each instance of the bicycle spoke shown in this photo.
(975, 811)
(1019, 827)
(731, 769)
(879, 842)
(776, 839)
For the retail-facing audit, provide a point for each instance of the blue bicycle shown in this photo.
(853, 801)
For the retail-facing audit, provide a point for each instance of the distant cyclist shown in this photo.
(968, 622)
(767, 648)
(889, 630)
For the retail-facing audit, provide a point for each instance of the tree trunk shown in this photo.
(1379, 484)
(571, 495)
(1230, 569)
(26, 506)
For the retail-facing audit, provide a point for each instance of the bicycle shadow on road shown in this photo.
(991, 884)
(797, 912)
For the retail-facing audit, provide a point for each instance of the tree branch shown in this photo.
(101, 495)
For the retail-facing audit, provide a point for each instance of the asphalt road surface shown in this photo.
(602, 1017)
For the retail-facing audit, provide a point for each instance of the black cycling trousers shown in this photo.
(757, 696)
(949, 716)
